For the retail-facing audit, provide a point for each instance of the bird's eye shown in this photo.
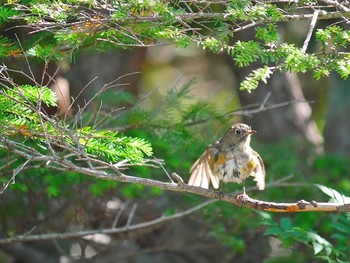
(238, 132)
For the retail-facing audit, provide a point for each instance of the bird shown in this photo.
(230, 159)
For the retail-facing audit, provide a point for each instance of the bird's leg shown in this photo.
(243, 197)
(244, 187)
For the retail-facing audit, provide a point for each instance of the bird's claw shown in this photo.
(242, 198)
(220, 194)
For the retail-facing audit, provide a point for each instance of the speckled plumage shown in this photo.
(230, 159)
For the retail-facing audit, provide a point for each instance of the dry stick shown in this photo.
(311, 29)
(246, 201)
(160, 220)
(119, 214)
(14, 174)
(131, 215)
(338, 5)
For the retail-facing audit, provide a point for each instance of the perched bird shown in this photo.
(230, 159)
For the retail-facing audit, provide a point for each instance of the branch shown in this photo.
(111, 172)
(311, 29)
(127, 228)
(96, 20)
(339, 6)
(239, 200)
(300, 206)
(178, 186)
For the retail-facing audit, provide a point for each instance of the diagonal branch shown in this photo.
(311, 29)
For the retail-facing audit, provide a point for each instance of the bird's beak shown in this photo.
(251, 132)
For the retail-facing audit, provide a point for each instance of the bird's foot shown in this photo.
(220, 194)
(243, 197)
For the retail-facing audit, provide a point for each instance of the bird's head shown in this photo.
(238, 133)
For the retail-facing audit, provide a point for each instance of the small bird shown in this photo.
(230, 159)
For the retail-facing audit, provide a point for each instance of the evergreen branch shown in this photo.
(73, 26)
(22, 116)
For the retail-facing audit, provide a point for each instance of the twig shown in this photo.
(300, 206)
(250, 112)
(119, 214)
(15, 172)
(165, 171)
(339, 6)
(311, 29)
(131, 215)
(54, 236)
(262, 106)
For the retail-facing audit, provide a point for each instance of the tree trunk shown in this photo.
(292, 120)
(336, 132)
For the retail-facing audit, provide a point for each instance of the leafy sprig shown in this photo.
(21, 115)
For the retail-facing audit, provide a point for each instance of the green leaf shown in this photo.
(317, 247)
(286, 224)
(252, 80)
(6, 13)
(52, 191)
(319, 243)
(273, 231)
(245, 53)
(335, 195)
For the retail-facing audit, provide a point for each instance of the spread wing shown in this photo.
(260, 173)
(201, 174)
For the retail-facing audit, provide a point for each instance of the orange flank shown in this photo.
(221, 159)
(248, 168)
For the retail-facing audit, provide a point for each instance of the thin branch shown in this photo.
(339, 6)
(250, 112)
(119, 214)
(311, 29)
(131, 215)
(239, 200)
(55, 236)
(165, 171)
(300, 206)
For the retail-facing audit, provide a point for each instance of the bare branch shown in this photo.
(131, 215)
(311, 29)
(239, 200)
(120, 212)
(110, 231)
(340, 6)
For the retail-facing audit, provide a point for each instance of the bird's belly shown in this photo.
(237, 171)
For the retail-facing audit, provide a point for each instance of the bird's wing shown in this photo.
(201, 173)
(260, 173)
